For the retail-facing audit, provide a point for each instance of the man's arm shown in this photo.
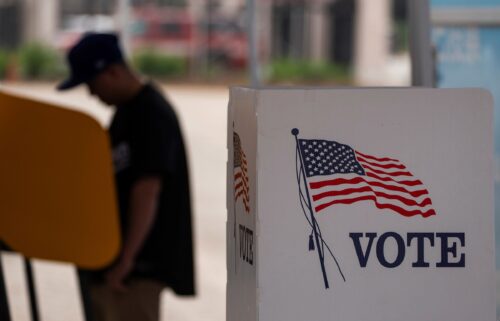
(142, 212)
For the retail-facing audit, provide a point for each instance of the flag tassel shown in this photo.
(311, 242)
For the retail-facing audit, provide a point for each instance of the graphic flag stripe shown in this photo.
(241, 186)
(348, 191)
(337, 174)
(384, 159)
(392, 207)
(390, 179)
(379, 165)
(413, 192)
(383, 172)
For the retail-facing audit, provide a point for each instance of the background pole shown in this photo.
(253, 44)
(422, 61)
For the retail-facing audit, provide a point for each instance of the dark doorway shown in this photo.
(342, 13)
(281, 22)
(10, 24)
(289, 30)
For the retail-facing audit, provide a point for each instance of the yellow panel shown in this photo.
(57, 195)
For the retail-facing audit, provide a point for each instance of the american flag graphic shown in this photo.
(338, 174)
(241, 186)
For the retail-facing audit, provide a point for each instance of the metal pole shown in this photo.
(208, 34)
(252, 43)
(35, 316)
(84, 282)
(4, 303)
(123, 25)
(422, 61)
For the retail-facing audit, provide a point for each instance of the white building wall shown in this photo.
(372, 41)
(41, 20)
(319, 31)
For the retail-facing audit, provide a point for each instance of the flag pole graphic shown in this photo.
(234, 214)
(321, 255)
(234, 230)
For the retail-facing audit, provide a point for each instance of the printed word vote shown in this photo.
(451, 247)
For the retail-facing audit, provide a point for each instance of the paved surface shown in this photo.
(202, 113)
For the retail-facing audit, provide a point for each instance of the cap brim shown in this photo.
(69, 83)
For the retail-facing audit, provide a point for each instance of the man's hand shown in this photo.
(142, 213)
(117, 274)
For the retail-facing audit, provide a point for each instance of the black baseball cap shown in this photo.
(91, 55)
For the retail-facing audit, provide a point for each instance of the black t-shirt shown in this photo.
(147, 141)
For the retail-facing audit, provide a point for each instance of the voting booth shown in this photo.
(360, 204)
(57, 185)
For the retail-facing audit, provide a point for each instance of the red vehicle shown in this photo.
(172, 31)
(175, 32)
(74, 26)
(169, 30)
(225, 42)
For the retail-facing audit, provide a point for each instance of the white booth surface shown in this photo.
(360, 204)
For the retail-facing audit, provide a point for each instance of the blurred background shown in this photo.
(195, 49)
(186, 41)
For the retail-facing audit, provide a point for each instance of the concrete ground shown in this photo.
(202, 113)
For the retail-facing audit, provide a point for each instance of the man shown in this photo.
(152, 185)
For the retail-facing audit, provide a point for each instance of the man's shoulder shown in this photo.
(155, 103)
(151, 95)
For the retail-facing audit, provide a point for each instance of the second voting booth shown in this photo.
(58, 197)
(360, 204)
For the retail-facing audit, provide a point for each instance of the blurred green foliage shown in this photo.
(4, 60)
(400, 38)
(37, 61)
(155, 64)
(301, 71)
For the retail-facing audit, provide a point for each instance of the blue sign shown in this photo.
(464, 3)
(469, 56)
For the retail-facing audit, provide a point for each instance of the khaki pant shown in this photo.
(141, 301)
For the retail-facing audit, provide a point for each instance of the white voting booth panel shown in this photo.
(360, 204)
